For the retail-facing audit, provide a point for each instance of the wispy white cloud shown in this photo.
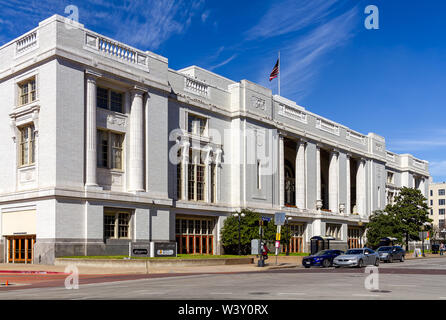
(304, 55)
(223, 63)
(437, 169)
(288, 16)
(205, 15)
(141, 23)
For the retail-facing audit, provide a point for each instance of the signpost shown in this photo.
(279, 221)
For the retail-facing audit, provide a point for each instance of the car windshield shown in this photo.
(322, 252)
(357, 251)
(385, 249)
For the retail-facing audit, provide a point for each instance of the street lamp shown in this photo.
(239, 216)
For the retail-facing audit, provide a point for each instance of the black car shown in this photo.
(391, 253)
(323, 258)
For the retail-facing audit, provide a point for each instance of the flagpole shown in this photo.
(279, 74)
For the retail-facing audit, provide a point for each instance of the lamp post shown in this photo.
(360, 223)
(239, 216)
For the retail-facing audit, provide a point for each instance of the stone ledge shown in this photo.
(150, 263)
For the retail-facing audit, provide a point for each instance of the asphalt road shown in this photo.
(413, 279)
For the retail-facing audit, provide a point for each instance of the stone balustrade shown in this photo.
(26, 43)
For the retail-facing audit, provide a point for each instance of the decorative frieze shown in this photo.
(327, 126)
(292, 113)
(258, 103)
(390, 157)
(356, 137)
(420, 164)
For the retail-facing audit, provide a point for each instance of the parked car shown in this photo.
(390, 254)
(357, 258)
(323, 258)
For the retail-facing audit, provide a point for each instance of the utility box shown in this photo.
(255, 244)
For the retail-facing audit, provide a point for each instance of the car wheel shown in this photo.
(402, 259)
(376, 262)
(360, 263)
(306, 267)
(390, 259)
(326, 263)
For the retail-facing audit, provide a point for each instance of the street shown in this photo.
(413, 279)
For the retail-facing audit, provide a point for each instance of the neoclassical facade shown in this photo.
(103, 144)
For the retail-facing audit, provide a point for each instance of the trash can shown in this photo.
(435, 248)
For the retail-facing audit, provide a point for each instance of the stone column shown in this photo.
(348, 204)
(136, 154)
(300, 175)
(333, 182)
(185, 170)
(281, 172)
(208, 185)
(360, 187)
(318, 173)
(91, 132)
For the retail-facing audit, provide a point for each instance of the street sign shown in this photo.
(277, 244)
(266, 218)
(423, 235)
(255, 246)
(165, 249)
(279, 218)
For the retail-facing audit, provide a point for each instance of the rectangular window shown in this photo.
(109, 99)
(102, 149)
(441, 192)
(110, 150)
(196, 125)
(117, 225)
(441, 202)
(432, 193)
(27, 91)
(200, 182)
(179, 176)
(124, 222)
(432, 212)
(27, 145)
(101, 98)
(116, 151)
(213, 183)
(390, 177)
(196, 178)
(116, 101)
(441, 211)
(109, 226)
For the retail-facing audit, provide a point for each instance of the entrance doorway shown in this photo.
(20, 248)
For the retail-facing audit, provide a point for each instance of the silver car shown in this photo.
(357, 258)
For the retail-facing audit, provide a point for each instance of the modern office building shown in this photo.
(103, 144)
(437, 204)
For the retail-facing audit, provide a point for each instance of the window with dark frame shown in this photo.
(109, 99)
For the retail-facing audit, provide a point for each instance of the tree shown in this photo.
(249, 229)
(410, 212)
(382, 224)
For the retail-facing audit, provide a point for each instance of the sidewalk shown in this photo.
(50, 269)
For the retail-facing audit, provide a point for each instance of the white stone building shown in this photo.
(91, 131)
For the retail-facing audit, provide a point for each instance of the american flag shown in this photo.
(275, 71)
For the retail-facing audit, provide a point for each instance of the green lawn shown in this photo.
(180, 256)
(294, 254)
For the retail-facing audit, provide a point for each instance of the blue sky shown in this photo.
(389, 81)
